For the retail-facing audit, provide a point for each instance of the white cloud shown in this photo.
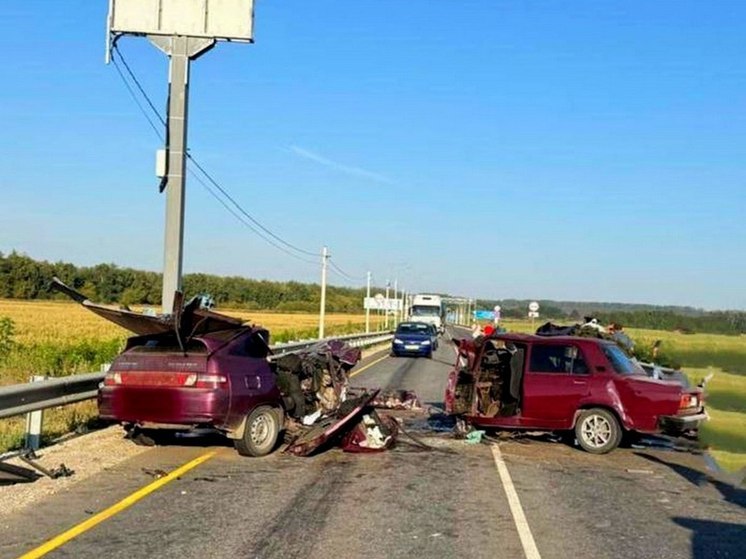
(356, 171)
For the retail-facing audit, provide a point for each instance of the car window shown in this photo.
(168, 345)
(619, 360)
(410, 328)
(557, 359)
(250, 346)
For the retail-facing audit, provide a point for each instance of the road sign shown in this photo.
(533, 314)
(484, 315)
(533, 306)
(382, 304)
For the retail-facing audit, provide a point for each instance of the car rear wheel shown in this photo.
(260, 433)
(598, 431)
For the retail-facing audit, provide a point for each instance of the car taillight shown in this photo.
(112, 379)
(205, 381)
(688, 401)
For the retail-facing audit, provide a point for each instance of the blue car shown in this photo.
(413, 338)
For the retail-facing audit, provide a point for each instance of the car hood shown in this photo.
(190, 319)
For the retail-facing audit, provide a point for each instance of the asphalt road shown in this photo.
(408, 502)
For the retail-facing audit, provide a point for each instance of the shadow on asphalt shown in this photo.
(714, 539)
(730, 493)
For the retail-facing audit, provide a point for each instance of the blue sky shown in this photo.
(585, 150)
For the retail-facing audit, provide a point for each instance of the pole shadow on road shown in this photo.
(714, 539)
(731, 494)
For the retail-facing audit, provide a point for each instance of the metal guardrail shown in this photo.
(19, 399)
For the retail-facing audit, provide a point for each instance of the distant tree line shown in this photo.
(22, 277)
(683, 319)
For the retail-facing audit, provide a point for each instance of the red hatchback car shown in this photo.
(565, 383)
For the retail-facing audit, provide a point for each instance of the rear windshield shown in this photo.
(412, 328)
(168, 345)
(619, 360)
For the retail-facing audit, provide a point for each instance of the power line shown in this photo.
(244, 212)
(191, 159)
(138, 84)
(344, 274)
(137, 101)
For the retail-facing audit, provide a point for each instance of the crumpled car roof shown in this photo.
(191, 319)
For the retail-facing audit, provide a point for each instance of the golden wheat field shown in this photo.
(62, 321)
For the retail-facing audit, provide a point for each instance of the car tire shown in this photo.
(598, 431)
(430, 354)
(260, 432)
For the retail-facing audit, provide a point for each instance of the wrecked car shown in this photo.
(197, 369)
(584, 385)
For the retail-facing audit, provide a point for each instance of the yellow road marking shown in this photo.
(127, 502)
(368, 366)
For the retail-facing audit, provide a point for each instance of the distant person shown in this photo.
(476, 331)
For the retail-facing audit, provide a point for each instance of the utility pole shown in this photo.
(322, 309)
(386, 307)
(396, 311)
(367, 306)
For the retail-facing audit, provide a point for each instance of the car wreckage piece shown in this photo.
(355, 426)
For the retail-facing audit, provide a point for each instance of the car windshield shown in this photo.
(412, 328)
(619, 360)
(419, 310)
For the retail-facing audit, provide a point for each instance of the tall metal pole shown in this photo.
(322, 309)
(180, 50)
(396, 312)
(386, 310)
(367, 307)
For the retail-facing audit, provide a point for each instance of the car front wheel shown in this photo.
(260, 433)
(598, 431)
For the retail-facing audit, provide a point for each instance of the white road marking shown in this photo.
(524, 532)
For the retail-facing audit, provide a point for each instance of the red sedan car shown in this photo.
(565, 383)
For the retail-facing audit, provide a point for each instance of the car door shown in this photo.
(557, 378)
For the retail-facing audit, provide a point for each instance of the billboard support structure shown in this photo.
(180, 51)
(183, 31)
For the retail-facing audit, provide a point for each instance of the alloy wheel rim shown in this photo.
(596, 431)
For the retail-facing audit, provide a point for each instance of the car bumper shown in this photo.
(403, 350)
(175, 406)
(678, 423)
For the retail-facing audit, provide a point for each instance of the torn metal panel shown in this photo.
(332, 427)
(190, 320)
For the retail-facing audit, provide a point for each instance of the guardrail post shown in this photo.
(34, 422)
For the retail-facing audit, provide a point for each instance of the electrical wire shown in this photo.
(137, 101)
(339, 271)
(193, 161)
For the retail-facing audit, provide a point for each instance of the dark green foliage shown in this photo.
(22, 277)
